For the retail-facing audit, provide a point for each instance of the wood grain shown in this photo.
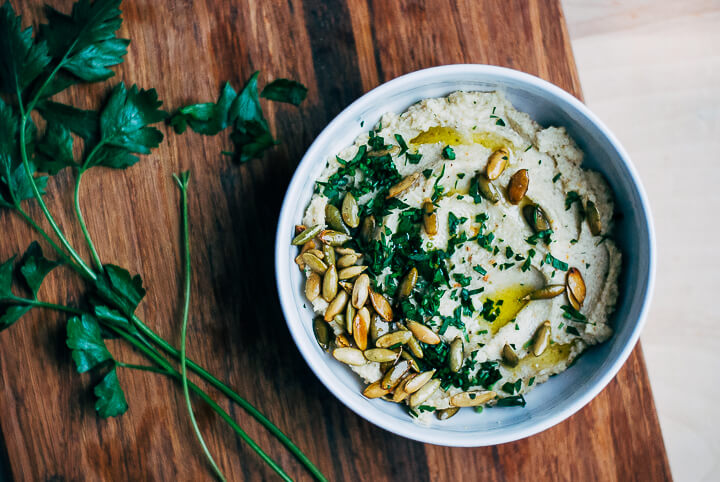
(186, 49)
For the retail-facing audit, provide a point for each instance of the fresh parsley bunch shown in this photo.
(80, 48)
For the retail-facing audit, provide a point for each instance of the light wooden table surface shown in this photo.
(651, 71)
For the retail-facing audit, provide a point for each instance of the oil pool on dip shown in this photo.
(457, 255)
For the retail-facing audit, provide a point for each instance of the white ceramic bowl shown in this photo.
(562, 395)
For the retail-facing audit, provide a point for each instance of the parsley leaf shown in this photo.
(6, 272)
(513, 401)
(285, 90)
(570, 198)
(448, 153)
(34, 267)
(556, 263)
(403, 145)
(84, 42)
(111, 400)
(84, 338)
(21, 60)
(84, 123)
(128, 290)
(54, 152)
(207, 118)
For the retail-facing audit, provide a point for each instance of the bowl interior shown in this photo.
(563, 394)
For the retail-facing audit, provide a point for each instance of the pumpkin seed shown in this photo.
(314, 263)
(306, 235)
(381, 305)
(536, 218)
(545, 293)
(593, 218)
(351, 272)
(471, 399)
(308, 246)
(518, 186)
(573, 302)
(374, 390)
(403, 185)
(334, 219)
(488, 190)
(312, 286)
(316, 252)
(417, 382)
(423, 333)
(330, 284)
(339, 321)
(350, 211)
(400, 394)
(347, 260)
(378, 327)
(408, 283)
(383, 152)
(446, 413)
(360, 291)
(424, 393)
(381, 355)
(404, 354)
(509, 356)
(415, 347)
(361, 327)
(456, 355)
(542, 339)
(346, 285)
(576, 286)
(299, 228)
(329, 254)
(322, 332)
(393, 376)
(336, 305)
(350, 313)
(367, 230)
(333, 238)
(497, 162)
(341, 341)
(390, 339)
(349, 356)
(344, 251)
(429, 218)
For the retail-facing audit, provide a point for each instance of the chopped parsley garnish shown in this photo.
(513, 401)
(570, 198)
(543, 236)
(572, 330)
(528, 147)
(437, 188)
(526, 265)
(413, 158)
(402, 144)
(556, 177)
(448, 153)
(512, 388)
(427, 173)
(453, 223)
(555, 263)
(462, 279)
(491, 310)
(509, 252)
(531, 381)
(480, 270)
(426, 408)
(573, 315)
(500, 123)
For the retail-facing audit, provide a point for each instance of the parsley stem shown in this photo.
(36, 192)
(65, 258)
(81, 220)
(182, 182)
(225, 389)
(41, 304)
(153, 354)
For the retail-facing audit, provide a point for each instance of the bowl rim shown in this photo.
(285, 221)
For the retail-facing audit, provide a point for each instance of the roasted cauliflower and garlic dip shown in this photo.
(458, 255)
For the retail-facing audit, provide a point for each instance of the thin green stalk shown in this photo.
(182, 182)
(81, 220)
(41, 304)
(143, 368)
(65, 258)
(157, 358)
(36, 192)
(225, 389)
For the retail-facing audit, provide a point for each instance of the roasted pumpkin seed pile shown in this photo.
(442, 274)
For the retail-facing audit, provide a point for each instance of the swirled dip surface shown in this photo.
(485, 257)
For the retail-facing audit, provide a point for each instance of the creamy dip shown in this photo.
(485, 258)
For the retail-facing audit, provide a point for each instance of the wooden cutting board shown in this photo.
(186, 50)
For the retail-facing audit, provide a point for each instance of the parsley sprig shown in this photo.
(81, 47)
